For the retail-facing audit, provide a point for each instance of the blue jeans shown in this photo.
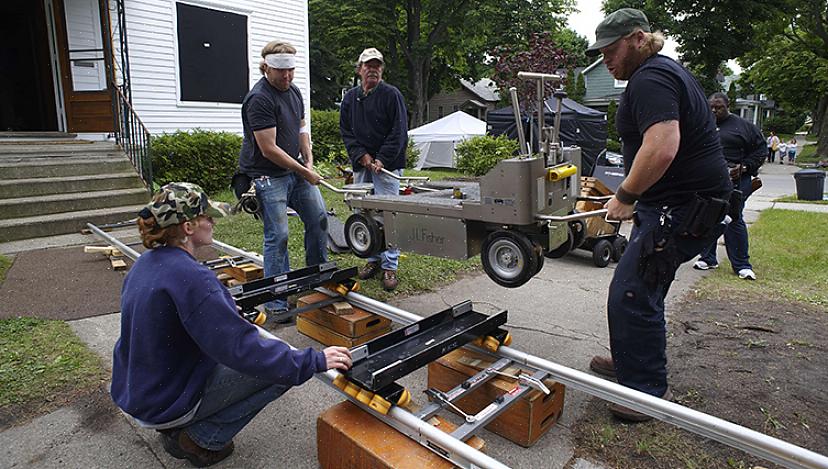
(735, 235)
(635, 308)
(383, 185)
(275, 195)
(230, 401)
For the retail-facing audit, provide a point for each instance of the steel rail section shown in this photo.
(128, 251)
(737, 436)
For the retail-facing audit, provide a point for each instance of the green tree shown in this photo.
(580, 88)
(423, 40)
(612, 132)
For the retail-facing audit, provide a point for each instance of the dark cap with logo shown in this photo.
(617, 25)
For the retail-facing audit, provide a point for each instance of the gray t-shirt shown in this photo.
(265, 107)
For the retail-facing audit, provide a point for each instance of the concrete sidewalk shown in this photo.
(558, 315)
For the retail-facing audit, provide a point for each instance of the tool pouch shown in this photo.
(704, 214)
(658, 259)
(240, 183)
(737, 203)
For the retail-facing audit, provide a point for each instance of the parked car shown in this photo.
(609, 169)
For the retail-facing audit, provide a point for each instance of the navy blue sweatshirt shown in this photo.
(742, 143)
(377, 124)
(177, 323)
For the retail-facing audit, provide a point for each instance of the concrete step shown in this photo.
(17, 188)
(60, 167)
(15, 148)
(55, 224)
(43, 135)
(78, 201)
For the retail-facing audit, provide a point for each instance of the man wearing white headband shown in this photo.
(276, 155)
(374, 125)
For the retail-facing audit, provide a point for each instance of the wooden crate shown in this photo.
(595, 226)
(244, 272)
(325, 336)
(524, 422)
(347, 437)
(356, 324)
(594, 187)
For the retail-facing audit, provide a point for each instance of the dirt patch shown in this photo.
(89, 401)
(760, 364)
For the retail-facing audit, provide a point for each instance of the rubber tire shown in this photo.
(499, 243)
(363, 235)
(564, 248)
(602, 253)
(579, 231)
(538, 249)
(619, 245)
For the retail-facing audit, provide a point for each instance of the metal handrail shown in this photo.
(134, 138)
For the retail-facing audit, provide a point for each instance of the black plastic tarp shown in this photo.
(580, 125)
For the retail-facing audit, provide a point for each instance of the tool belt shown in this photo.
(245, 191)
(705, 213)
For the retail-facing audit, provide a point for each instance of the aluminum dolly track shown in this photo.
(736, 436)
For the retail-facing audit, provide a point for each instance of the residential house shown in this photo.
(476, 99)
(601, 87)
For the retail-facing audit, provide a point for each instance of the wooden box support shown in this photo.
(347, 437)
(327, 326)
(524, 422)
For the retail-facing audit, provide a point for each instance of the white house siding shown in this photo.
(151, 26)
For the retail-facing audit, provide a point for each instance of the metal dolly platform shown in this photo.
(453, 449)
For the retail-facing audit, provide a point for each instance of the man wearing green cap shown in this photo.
(676, 191)
(186, 363)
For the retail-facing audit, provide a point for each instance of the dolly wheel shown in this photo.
(379, 404)
(509, 258)
(405, 398)
(619, 245)
(602, 253)
(490, 343)
(352, 389)
(340, 381)
(564, 248)
(363, 235)
(364, 396)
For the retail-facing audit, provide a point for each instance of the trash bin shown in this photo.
(810, 184)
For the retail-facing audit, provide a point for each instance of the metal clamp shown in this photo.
(437, 395)
(522, 378)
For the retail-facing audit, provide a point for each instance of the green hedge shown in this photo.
(327, 141)
(478, 155)
(203, 157)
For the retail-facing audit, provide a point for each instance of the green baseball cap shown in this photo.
(617, 25)
(178, 202)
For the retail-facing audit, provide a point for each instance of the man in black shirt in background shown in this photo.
(675, 191)
(745, 151)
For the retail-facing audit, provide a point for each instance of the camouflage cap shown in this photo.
(178, 202)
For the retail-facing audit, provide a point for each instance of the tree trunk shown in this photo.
(822, 136)
(818, 116)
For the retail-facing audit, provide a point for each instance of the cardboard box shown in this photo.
(347, 437)
(524, 422)
(356, 324)
(325, 336)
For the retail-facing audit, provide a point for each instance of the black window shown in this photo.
(212, 55)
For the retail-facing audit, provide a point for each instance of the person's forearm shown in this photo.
(305, 149)
(279, 157)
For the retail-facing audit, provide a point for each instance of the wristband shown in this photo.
(625, 197)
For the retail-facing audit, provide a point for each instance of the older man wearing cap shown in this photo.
(676, 191)
(276, 155)
(373, 122)
(186, 363)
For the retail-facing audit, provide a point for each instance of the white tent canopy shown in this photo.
(437, 140)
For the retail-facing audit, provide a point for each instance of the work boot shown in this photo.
(369, 270)
(629, 415)
(389, 280)
(180, 446)
(603, 366)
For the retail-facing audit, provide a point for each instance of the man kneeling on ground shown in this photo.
(187, 364)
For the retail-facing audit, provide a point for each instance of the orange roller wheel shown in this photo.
(405, 398)
(508, 340)
(379, 404)
(340, 382)
(490, 343)
(365, 396)
(260, 319)
(351, 389)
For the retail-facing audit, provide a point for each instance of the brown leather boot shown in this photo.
(369, 270)
(603, 366)
(180, 446)
(389, 280)
(629, 415)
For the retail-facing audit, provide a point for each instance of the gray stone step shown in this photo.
(54, 149)
(42, 135)
(30, 168)
(17, 188)
(55, 224)
(79, 201)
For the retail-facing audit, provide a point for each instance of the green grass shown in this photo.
(787, 249)
(808, 155)
(793, 199)
(5, 265)
(41, 359)
(416, 273)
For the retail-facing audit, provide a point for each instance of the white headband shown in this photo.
(281, 60)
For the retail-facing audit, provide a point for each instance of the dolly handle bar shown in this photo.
(404, 178)
(330, 187)
(572, 217)
(539, 76)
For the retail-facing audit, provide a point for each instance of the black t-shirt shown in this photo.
(662, 90)
(742, 143)
(265, 107)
